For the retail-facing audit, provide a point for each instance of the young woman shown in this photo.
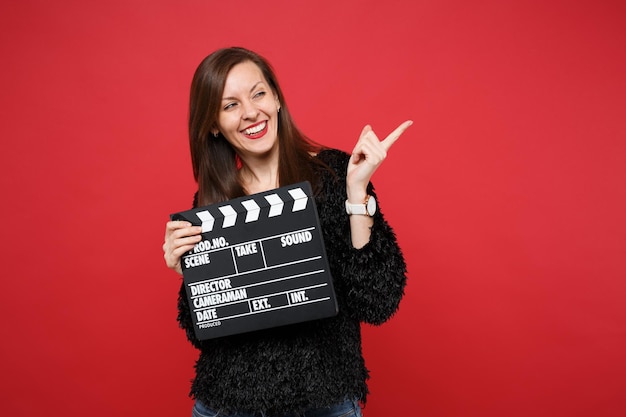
(243, 141)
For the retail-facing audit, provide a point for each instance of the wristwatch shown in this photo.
(367, 208)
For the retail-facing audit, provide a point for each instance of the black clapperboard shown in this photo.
(261, 263)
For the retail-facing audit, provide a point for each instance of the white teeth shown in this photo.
(255, 129)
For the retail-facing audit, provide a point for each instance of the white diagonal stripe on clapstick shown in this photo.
(253, 210)
(207, 220)
(276, 205)
(230, 216)
(299, 199)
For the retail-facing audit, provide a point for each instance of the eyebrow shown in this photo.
(251, 90)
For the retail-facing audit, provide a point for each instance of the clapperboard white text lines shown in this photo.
(314, 258)
(256, 283)
(304, 301)
(205, 302)
(197, 256)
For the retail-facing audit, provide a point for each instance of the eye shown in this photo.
(259, 94)
(229, 106)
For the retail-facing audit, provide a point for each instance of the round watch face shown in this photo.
(371, 206)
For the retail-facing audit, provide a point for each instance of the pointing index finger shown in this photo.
(393, 136)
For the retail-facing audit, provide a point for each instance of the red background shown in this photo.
(507, 194)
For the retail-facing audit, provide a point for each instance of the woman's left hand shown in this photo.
(367, 155)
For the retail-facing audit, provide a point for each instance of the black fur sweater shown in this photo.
(317, 363)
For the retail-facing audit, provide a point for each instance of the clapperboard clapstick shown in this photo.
(261, 263)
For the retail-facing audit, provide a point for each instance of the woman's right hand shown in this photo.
(180, 237)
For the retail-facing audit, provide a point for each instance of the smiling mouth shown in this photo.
(256, 131)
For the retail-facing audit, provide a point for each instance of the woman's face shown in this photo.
(248, 118)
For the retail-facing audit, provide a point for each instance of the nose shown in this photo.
(250, 112)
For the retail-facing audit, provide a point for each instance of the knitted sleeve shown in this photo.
(369, 281)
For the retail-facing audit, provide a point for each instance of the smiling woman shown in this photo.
(249, 117)
(243, 141)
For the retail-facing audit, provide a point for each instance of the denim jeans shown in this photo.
(348, 408)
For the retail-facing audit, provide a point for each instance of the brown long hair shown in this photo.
(213, 158)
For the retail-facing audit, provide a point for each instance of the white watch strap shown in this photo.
(367, 208)
(356, 208)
